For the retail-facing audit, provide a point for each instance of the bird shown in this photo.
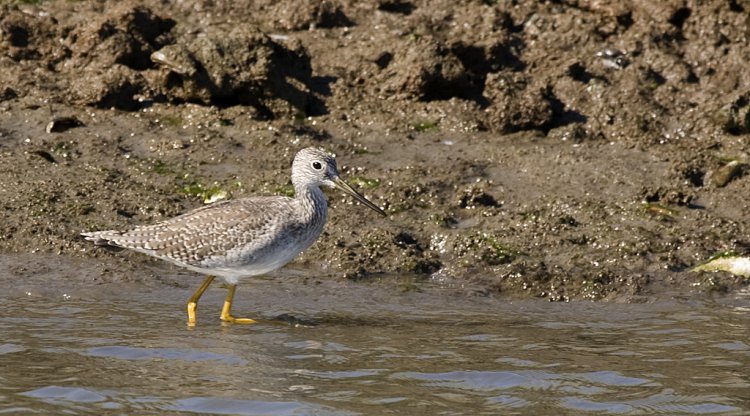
(241, 238)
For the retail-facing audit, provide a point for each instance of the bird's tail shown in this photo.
(103, 238)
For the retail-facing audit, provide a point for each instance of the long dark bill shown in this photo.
(349, 190)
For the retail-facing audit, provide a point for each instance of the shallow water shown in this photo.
(125, 349)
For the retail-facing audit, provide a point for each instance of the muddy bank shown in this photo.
(568, 151)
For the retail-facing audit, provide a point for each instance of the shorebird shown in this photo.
(241, 238)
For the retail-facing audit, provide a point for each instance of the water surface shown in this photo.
(373, 350)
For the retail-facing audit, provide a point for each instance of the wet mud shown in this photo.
(563, 150)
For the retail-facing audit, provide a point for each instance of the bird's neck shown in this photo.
(313, 202)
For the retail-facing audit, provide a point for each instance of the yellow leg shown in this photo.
(193, 301)
(226, 316)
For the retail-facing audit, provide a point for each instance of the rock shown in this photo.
(62, 123)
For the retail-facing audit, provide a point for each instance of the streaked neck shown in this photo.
(312, 201)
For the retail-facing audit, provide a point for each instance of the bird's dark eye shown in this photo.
(317, 165)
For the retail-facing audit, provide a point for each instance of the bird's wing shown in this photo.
(205, 232)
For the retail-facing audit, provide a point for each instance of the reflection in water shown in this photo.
(419, 354)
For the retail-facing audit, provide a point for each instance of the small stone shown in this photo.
(60, 124)
(725, 174)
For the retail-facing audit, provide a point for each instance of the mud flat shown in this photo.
(571, 150)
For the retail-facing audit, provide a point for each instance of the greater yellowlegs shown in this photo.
(242, 237)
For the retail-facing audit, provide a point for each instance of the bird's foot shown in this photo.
(226, 316)
(232, 320)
